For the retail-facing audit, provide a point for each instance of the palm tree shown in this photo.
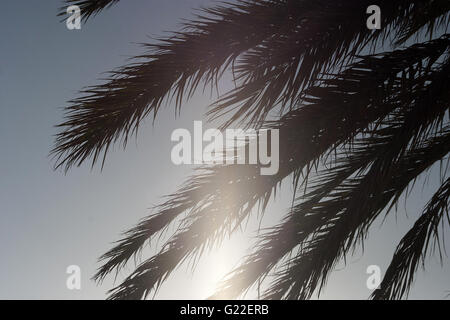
(362, 114)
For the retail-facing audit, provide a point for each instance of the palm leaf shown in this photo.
(221, 218)
(414, 247)
(273, 61)
(349, 218)
(88, 7)
(372, 123)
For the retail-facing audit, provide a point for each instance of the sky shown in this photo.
(50, 220)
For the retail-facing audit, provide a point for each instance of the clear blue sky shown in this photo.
(49, 220)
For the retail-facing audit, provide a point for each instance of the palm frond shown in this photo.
(406, 128)
(350, 211)
(222, 213)
(432, 16)
(385, 118)
(414, 246)
(88, 7)
(273, 61)
(171, 69)
(208, 190)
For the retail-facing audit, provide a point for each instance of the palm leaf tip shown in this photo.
(89, 8)
(414, 247)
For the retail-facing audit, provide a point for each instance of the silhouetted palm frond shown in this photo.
(88, 7)
(275, 48)
(401, 129)
(356, 130)
(414, 246)
(348, 221)
(394, 91)
(432, 16)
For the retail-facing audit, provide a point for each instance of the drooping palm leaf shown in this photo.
(381, 113)
(404, 130)
(278, 60)
(88, 8)
(349, 220)
(414, 246)
(338, 104)
(222, 214)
